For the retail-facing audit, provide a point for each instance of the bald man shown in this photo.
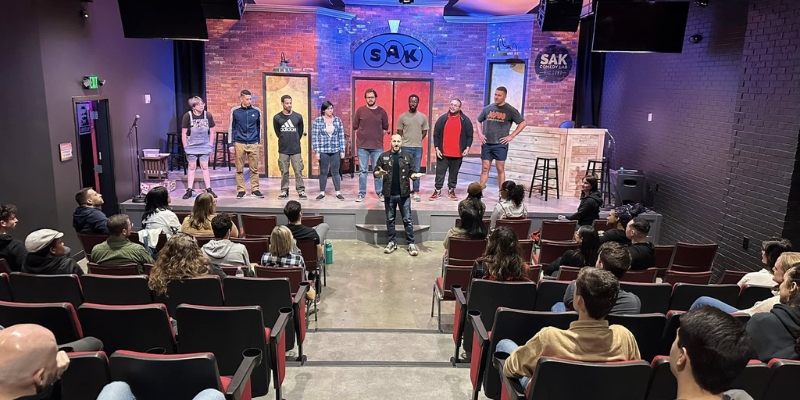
(29, 362)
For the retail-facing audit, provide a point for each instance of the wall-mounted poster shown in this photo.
(65, 151)
(82, 110)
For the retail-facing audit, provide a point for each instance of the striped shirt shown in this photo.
(321, 142)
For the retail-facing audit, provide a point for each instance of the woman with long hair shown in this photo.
(511, 203)
(776, 334)
(198, 223)
(472, 227)
(180, 258)
(586, 255)
(502, 260)
(327, 140)
(771, 249)
(591, 201)
(474, 196)
(157, 213)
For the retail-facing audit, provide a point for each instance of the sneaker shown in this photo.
(416, 197)
(452, 194)
(321, 196)
(412, 249)
(436, 195)
(258, 194)
(392, 246)
(339, 196)
(239, 195)
(380, 198)
(188, 194)
(360, 198)
(303, 195)
(284, 195)
(208, 190)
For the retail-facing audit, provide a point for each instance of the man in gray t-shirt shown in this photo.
(413, 127)
(493, 130)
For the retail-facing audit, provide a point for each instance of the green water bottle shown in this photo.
(328, 253)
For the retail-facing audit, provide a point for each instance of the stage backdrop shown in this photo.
(295, 85)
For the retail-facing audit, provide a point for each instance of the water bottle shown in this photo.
(239, 271)
(328, 253)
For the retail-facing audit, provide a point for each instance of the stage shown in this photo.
(366, 220)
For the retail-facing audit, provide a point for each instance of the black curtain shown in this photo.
(190, 74)
(588, 78)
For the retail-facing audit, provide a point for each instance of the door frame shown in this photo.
(268, 120)
(112, 192)
(489, 92)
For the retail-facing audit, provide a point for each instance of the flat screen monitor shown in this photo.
(642, 26)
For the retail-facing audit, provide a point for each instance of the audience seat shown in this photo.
(118, 270)
(653, 296)
(89, 240)
(534, 272)
(754, 379)
(600, 225)
(548, 293)
(663, 257)
(145, 328)
(689, 257)
(662, 384)
(526, 250)
(700, 278)
(295, 277)
(59, 318)
(4, 268)
(203, 240)
(684, 294)
(459, 262)
(670, 330)
(442, 287)
(644, 276)
(203, 291)
(558, 231)
(486, 222)
(257, 226)
(731, 277)
(309, 251)
(569, 274)
(751, 294)
(256, 247)
(312, 220)
(5, 288)
(86, 376)
(646, 328)
(521, 226)
(783, 379)
(550, 250)
(182, 215)
(116, 290)
(30, 288)
(466, 249)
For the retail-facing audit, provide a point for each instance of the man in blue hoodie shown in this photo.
(244, 137)
(88, 218)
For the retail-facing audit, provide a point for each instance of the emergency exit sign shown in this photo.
(93, 83)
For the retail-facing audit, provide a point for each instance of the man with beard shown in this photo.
(413, 127)
(88, 218)
(452, 138)
(370, 123)
(288, 127)
(495, 135)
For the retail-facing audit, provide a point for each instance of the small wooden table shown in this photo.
(155, 167)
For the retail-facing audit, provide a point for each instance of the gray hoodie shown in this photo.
(226, 253)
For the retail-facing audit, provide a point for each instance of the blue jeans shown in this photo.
(710, 301)
(391, 204)
(121, 391)
(508, 346)
(559, 307)
(417, 153)
(364, 155)
(326, 161)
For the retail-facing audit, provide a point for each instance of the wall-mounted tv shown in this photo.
(640, 26)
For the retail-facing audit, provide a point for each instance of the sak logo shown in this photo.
(393, 52)
(553, 64)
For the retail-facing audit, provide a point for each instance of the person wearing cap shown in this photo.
(47, 254)
(474, 196)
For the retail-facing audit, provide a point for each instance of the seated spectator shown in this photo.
(198, 223)
(785, 262)
(589, 207)
(181, 258)
(502, 260)
(613, 257)
(474, 196)
(221, 251)
(280, 255)
(771, 249)
(590, 338)
(47, 254)
(617, 221)
(776, 334)
(157, 214)
(587, 237)
(30, 362)
(472, 227)
(294, 213)
(11, 250)
(710, 350)
(511, 203)
(88, 218)
(643, 253)
(117, 249)
(122, 391)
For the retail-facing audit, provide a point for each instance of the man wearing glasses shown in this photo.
(370, 123)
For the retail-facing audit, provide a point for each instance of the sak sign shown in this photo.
(393, 52)
(553, 64)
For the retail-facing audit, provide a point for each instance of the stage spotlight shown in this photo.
(695, 38)
(701, 3)
(406, 1)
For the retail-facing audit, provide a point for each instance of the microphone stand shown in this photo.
(137, 196)
(612, 144)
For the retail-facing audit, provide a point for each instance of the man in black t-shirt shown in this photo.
(318, 234)
(643, 253)
(288, 126)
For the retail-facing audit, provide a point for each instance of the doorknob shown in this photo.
(98, 169)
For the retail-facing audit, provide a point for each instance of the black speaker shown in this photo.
(559, 15)
(630, 186)
(223, 9)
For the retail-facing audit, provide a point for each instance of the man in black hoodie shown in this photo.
(643, 253)
(88, 218)
(12, 250)
(47, 255)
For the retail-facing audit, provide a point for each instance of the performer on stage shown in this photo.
(327, 139)
(452, 138)
(413, 127)
(498, 117)
(370, 124)
(200, 126)
(244, 136)
(288, 127)
(396, 167)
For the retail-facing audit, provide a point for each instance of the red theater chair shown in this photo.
(654, 296)
(646, 276)
(59, 318)
(466, 249)
(751, 294)
(5, 288)
(670, 331)
(568, 274)
(203, 291)
(144, 328)
(88, 241)
(689, 257)
(558, 231)
(520, 226)
(295, 277)
(30, 288)
(548, 293)
(526, 250)
(309, 251)
(86, 376)
(600, 225)
(256, 247)
(700, 278)
(684, 294)
(552, 250)
(662, 385)
(646, 328)
(257, 226)
(663, 257)
(116, 290)
(442, 287)
(783, 380)
(731, 277)
(118, 270)
(312, 220)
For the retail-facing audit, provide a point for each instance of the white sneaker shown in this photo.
(412, 249)
(390, 248)
(360, 198)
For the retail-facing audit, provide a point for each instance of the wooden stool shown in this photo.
(222, 138)
(548, 164)
(155, 167)
(603, 181)
(175, 149)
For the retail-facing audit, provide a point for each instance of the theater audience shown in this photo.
(221, 251)
(502, 260)
(643, 253)
(181, 258)
(47, 254)
(590, 338)
(117, 249)
(11, 250)
(280, 255)
(88, 218)
(591, 201)
(474, 196)
(30, 362)
(511, 203)
(617, 221)
(613, 257)
(587, 237)
(472, 227)
(294, 213)
(776, 334)
(157, 214)
(198, 223)
(771, 249)
(710, 350)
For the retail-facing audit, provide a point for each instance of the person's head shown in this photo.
(157, 199)
(45, 243)
(614, 257)
(637, 229)
(397, 141)
(88, 197)
(503, 256)
(589, 184)
(771, 249)
(196, 104)
(326, 109)
(517, 194)
(281, 241)
(785, 262)
(455, 106)
(119, 225)
(371, 96)
(286, 102)
(246, 98)
(472, 222)
(8, 217)
(711, 349)
(221, 224)
(180, 258)
(505, 188)
(596, 292)
(204, 207)
(27, 360)
(589, 241)
(413, 103)
(618, 218)
(500, 95)
(475, 190)
(293, 211)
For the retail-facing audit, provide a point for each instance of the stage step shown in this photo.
(377, 234)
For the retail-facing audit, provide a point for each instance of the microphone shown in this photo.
(136, 119)
(133, 125)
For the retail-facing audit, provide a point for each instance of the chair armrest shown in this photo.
(279, 328)
(252, 359)
(301, 293)
(458, 292)
(480, 329)
(511, 386)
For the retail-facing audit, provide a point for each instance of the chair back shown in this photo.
(754, 379)
(136, 328)
(5, 288)
(312, 220)
(32, 288)
(204, 291)
(663, 384)
(118, 270)
(600, 225)
(559, 231)
(487, 296)
(654, 297)
(690, 257)
(646, 328)
(454, 275)
(684, 294)
(58, 318)
(293, 274)
(4, 268)
(269, 294)
(751, 294)
(566, 273)
(730, 276)
(552, 250)
(466, 249)
(182, 215)
(664, 255)
(178, 376)
(87, 375)
(526, 250)
(522, 227)
(548, 293)
(89, 240)
(552, 379)
(257, 226)
(670, 331)
(116, 290)
(309, 251)
(203, 240)
(644, 276)
(700, 278)
(533, 272)
(256, 247)
(460, 262)
(784, 378)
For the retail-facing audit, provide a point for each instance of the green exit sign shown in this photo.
(93, 83)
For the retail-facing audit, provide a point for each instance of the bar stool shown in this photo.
(175, 149)
(603, 179)
(222, 138)
(548, 164)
